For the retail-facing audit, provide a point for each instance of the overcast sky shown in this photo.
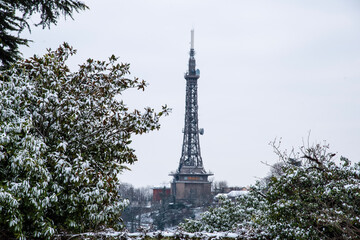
(269, 69)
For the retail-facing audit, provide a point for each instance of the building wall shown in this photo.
(161, 194)
(191, 191)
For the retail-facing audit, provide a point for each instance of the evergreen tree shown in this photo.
(14, 16)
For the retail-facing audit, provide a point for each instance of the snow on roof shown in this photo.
(237, 193)
(161, 186)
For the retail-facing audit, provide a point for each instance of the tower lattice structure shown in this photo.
(190, 179)
(191, 160)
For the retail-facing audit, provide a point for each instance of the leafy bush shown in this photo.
(320, 199)
(63, 141)
(317, 199)
(228, 215)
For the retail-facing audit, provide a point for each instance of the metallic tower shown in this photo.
(190, 179)
(191, 160)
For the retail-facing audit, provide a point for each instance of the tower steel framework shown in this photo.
(191, 154)
(190, 179)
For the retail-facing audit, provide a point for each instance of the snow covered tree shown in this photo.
(64, 138)
(14, 17)
(317, 199)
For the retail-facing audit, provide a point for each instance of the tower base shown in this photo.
(191, 188)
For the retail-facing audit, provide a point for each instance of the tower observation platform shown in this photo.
(190, 183)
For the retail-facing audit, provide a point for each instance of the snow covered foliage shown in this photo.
(63, 141)
(228, 215)
(319, 199)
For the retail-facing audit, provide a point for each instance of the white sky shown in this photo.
(269, 69)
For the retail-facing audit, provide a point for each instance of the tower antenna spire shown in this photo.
(192, 38)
